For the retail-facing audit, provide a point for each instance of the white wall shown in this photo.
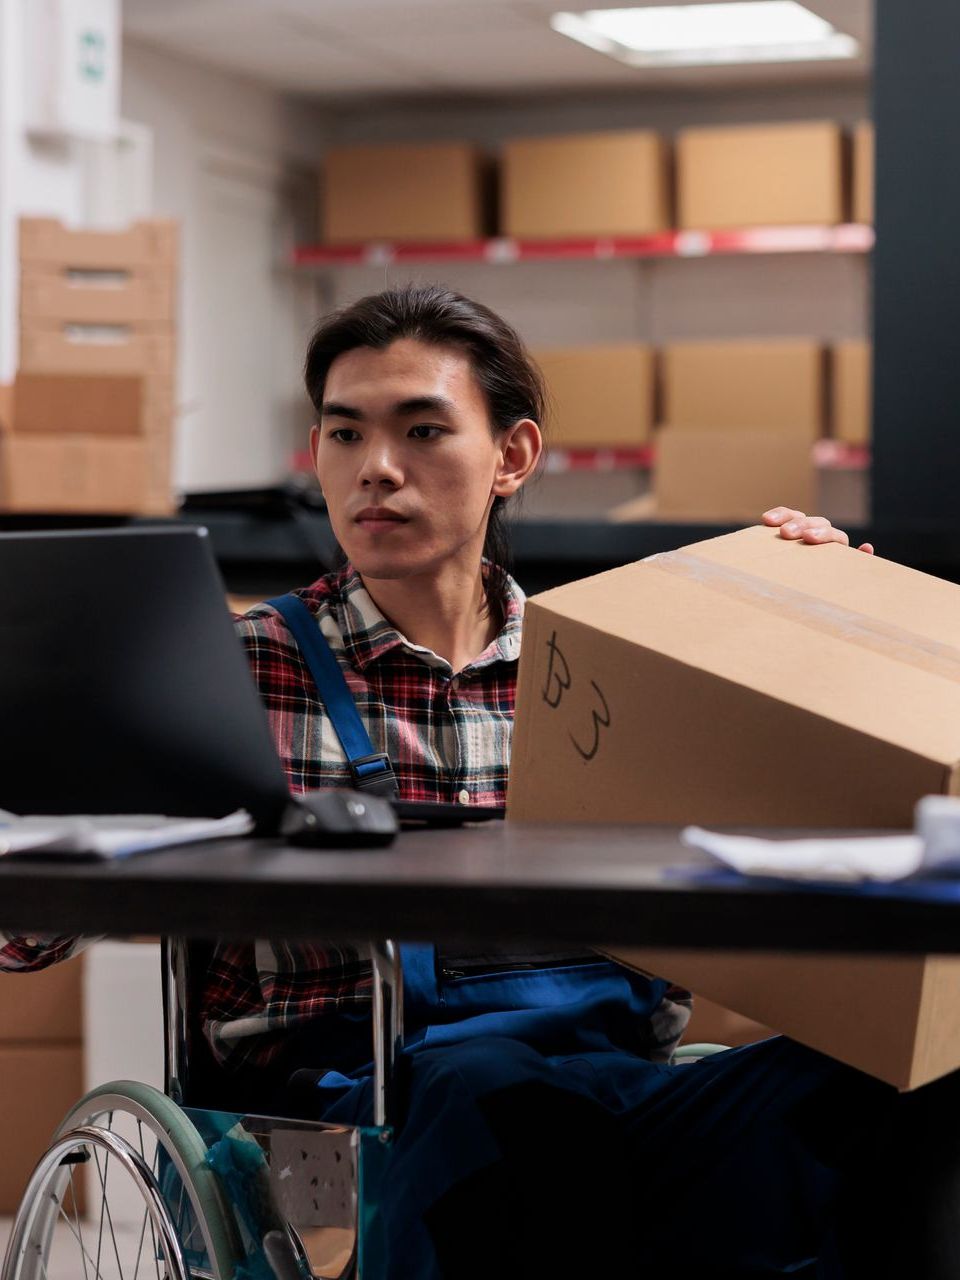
(36, 178)
(236, 163)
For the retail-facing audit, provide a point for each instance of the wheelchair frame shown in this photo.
(270, 1229)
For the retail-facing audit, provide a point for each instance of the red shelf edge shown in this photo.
(844, 238)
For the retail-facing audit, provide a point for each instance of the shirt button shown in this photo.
(30, 942)
(454, 684)
(463, 797)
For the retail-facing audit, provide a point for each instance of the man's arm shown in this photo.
(30, 952)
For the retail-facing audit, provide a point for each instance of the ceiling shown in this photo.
(339, 50)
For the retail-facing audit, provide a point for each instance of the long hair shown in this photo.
(511, 382)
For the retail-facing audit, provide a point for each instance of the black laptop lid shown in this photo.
(123, 688)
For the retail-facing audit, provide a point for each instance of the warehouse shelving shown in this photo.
(503, 251)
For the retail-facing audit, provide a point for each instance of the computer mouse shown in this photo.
(339, 818)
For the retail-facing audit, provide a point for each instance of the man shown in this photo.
(545, 1131)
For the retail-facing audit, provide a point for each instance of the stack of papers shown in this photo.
(933, 848)
(105, 838)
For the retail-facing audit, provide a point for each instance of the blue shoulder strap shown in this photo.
(370, 770)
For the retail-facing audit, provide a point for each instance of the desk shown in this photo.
(611, 886)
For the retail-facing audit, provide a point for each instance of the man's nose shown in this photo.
(380, 466)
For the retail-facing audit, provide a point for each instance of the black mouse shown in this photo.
(339, 818)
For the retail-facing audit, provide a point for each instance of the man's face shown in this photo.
(406, 458)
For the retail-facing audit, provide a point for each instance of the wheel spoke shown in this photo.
(76, 1218)
(105, 1209)
(83, 1250)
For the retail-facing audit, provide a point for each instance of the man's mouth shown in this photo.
(378, 517)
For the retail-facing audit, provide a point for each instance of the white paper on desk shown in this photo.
(111, 837)
(847, 858)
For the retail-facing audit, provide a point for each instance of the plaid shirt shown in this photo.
(448, 737)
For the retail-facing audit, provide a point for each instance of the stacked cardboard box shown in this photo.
(90, 427)
(760, 175)
(851, 397)
(591, 184)
(863, 172)
(403, 191)
(41, 1066)
(599, 396)
(740, 419)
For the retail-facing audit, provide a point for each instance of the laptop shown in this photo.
(124, 689)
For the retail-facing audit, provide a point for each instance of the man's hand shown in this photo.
(813, 529)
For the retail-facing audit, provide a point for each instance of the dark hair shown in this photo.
(511, 382)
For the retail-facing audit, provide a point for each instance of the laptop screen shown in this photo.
(123, 688)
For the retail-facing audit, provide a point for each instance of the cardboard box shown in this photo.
(599, 396)
(402, 192)
(760, 175)
(141, 295)
(895, 1017)
(152, 242)
(776, 386)
(589, 184)
(730, 475)
(864, 146)
(47, 1005)
(746, 680)
(38, 1086)
(86, 404)
(97, 349)
(6, 406)
(65, 474)
(852, 392)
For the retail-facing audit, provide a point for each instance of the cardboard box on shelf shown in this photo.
(664, 691)
(38, 1085)
(599, 396)
(776, 385)
(760, 175)
(47, 1005)
(895, 1017)
(97, 349)
(590, 184)
(864, 145)
(151, 242)
(423, 191)
(66, 474)
(851, 392)
(98, 297)
(730, 475)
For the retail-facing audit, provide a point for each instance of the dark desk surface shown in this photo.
(613, 886)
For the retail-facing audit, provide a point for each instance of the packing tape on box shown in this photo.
(882, 638)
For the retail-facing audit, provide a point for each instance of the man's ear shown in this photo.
(520, 450)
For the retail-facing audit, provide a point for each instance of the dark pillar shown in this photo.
(916, 291)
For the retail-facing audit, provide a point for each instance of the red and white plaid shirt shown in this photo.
(448, 737)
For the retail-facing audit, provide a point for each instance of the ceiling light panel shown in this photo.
(689, 35)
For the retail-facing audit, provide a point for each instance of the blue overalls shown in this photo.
(536, 1140)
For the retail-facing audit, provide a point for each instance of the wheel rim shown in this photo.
(169, 1156)
(50, 1230)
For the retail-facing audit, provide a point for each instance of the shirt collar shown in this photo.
(367, 635)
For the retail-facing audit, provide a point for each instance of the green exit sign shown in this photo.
(93, 56)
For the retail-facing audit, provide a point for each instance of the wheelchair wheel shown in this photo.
(150, 1205)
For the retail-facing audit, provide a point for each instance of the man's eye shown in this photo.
(346, 435)
(424, 431)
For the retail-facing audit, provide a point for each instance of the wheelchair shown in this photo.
(169, 1181)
